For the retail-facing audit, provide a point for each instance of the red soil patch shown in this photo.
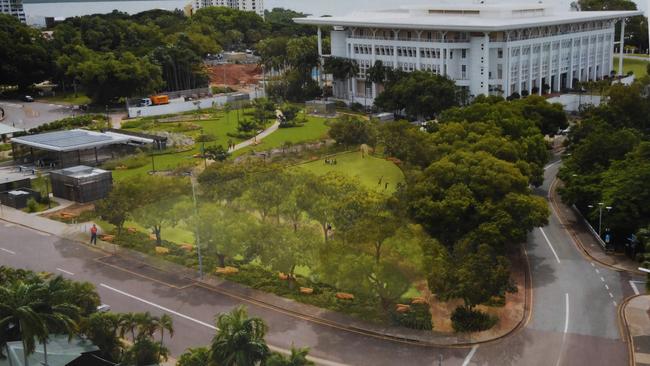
(235, 74)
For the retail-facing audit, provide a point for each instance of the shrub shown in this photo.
(222, 89)
(464, 319)
(93, 121)
(129, 162)
(32, 205)
(208, 137)
(418, 318)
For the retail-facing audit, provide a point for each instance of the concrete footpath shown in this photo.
(636, 315)
(168, 272)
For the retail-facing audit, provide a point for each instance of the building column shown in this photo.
(621, 46)
(530, 69)
(320, 58)
(550, 68)
(486, 63)
(570, 73)
(588, 58)
(508, 77)
(539, 67)
(519, 73)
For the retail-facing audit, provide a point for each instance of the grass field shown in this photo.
(638, 67)
(67, 98)
(314, 129)
(369, 170)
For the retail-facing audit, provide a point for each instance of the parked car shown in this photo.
(103, 308)
(27, 98)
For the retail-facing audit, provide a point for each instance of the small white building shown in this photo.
(246, 5)
(494, 49)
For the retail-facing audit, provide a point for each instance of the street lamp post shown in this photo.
(196, 230)
(600, 216)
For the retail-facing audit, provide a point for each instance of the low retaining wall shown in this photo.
(191, 105)
(573, 102)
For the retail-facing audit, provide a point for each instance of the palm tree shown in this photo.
(165, 323)
(128, 323)
(19, 306)
(239, 340)
(298, 357)
(147, 324)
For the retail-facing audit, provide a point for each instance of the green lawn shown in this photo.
(67, 98)
(639, 67)
(369, 170)
(314, 129)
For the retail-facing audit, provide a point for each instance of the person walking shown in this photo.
(93, 235)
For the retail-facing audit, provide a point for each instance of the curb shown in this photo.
(627, 337)
(337, 325)
(579, 244)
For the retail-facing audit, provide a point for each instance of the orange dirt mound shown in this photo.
(235, 74)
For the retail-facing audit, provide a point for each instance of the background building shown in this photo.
(13, 7)
(487, 48)
(245, 5)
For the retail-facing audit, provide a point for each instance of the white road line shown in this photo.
(551, 164)
(610, 295)
(469, 356)
(550, 245)
(634, 288)
(602, 279)
(597, 271)
(8, 251)
(606, 287)
(566, 319)
(317, 360)
(592, 264)
(64, 271)
(615, 304)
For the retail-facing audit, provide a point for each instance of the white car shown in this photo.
(103, 308)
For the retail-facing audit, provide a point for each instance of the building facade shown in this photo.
(246, 5)
(496, 49)
(13, 7)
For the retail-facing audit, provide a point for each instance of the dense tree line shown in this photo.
(636, 28)
(608, 163)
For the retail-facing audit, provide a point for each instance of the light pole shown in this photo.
(196, 230)
(600, 215)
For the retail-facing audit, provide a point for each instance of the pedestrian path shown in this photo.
(274, 127)
(637, 321)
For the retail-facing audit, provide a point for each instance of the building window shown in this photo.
(463, 53)
(463, 71)
(500, 53)
(499, 71)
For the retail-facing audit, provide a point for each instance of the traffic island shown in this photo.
(636, 318)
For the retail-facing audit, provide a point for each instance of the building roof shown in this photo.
(70, 140)
(80, 171)
(8, 130)
(466, 17)
(60, 352)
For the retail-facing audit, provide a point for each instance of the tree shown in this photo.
(102, 329)
(217, 152)
(225, 233)
(341, 68)
(281, 23)
(298, 357)
(348, 130)
(199, 356)
(144, 352)
(165, 323)
(122, 200)
(24, 54)
(239, 340)
(420, 93)
(283, 249)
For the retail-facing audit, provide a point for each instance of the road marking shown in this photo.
(470, 355)
(566, 319)
(606, 287)
(317, 360)
(9, 225)
(597, 271)
(592, 264)
(8, 251)
(615, 304)
(64, 271)
(551, 164)
(550, 245)
(610, 295)
(602, 279)
(634, 288)
(42, 233)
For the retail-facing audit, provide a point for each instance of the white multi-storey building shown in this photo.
(487, 48)
(13, 7)
(246, 5)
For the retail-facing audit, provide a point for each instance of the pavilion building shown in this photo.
(491, 49)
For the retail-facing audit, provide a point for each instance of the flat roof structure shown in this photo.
(8, 130)
(70, 140)
(466, 17)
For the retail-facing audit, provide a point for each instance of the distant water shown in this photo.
(315, 7)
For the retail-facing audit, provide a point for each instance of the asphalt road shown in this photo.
(573, 322)
(29, 115)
